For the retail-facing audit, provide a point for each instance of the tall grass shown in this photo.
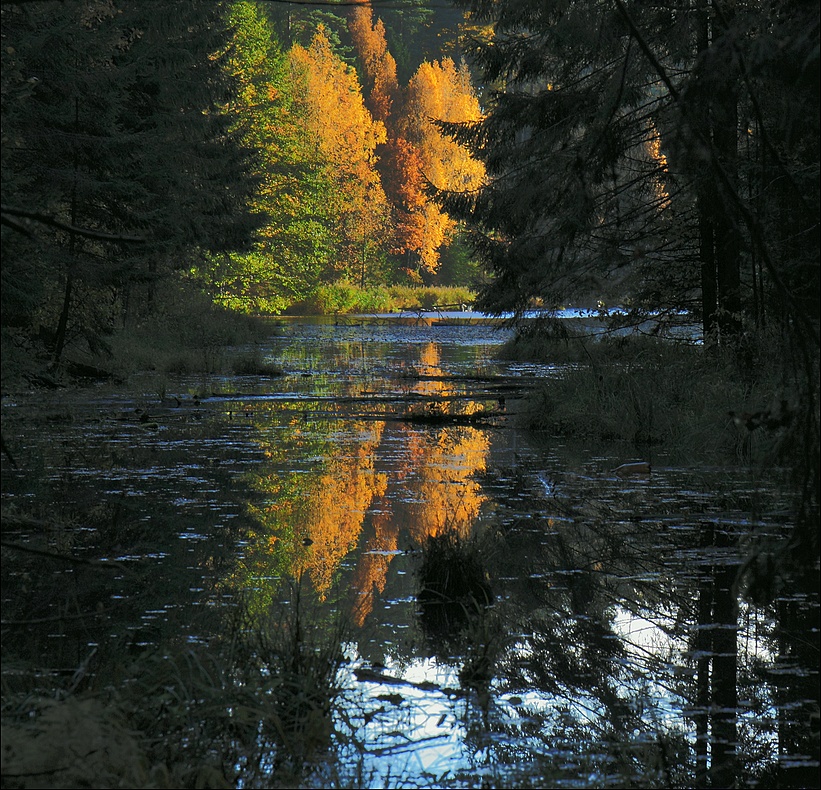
(345, 298)
(652, 392)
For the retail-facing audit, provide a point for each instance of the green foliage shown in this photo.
(339, 298)
(346, 298)
(457, 267)
(319, 224)
(295, 245)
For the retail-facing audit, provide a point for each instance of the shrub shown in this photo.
(344, 298)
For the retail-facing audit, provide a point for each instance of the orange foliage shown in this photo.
(443, 466)
(310, 518)
(371, 573)
(448, 497)
(335, 513)
(346, 135)
(312, 521)
(333, 108)
(416, 151)
(401, 167)
(441, 92)
(378, 63)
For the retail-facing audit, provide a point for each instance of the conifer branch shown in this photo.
(9, 212)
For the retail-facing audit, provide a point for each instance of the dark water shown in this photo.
(511, 612)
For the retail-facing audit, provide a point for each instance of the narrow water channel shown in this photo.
(460, 604)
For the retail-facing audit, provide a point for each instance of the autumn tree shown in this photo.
(439, 92)
(332, 111)
(378, 66)
(398, 162)
(415, 153)
(401, 170)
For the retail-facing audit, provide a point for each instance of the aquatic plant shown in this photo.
(453, 585)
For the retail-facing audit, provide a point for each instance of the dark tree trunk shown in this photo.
(724, 741)
(62, 324)
(726, 223)
(703, 648)
(709, 282)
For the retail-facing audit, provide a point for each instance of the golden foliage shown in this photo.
(441, 92)
(379, 65)
(332, 107)
(333, 112)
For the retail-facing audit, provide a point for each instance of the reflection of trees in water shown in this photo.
(432, 492)
(569, 574)
(443, 492)
(311, 497)
(571, 585)
(319, 494)
(372, 568)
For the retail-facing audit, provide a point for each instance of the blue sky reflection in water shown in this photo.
(521, 616)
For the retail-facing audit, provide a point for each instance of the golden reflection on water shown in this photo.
(325, 489)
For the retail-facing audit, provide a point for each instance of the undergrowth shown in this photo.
(253, 708)
(346, 298)
(654, 392)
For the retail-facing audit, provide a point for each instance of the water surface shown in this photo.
(509, 611)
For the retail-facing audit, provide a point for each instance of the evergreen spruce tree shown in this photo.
(112, 133)
(639, 152)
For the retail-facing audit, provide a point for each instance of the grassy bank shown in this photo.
(346, 298)
(191, 338)
(186, 333)
(754, 404)
(660, 393)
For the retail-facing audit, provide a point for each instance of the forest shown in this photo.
(181, 179)
(250, 151)
(246, 157)
(255, 152)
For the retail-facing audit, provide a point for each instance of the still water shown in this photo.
(462, 604)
